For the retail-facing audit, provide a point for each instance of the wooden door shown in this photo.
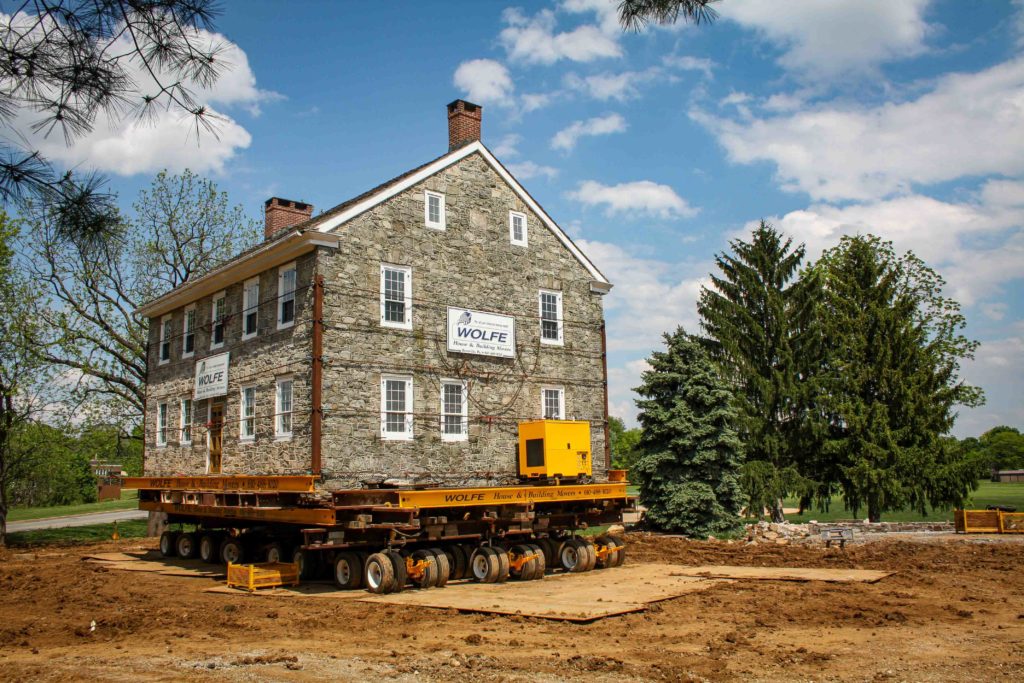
(215, 436)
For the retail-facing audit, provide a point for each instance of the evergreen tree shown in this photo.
(891, 380)
(689, 469)
(760, 320)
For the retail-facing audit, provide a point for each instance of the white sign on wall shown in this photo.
(485, 334)
(211, 377)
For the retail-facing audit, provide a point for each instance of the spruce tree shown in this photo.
(891, 379)
(759, 316)
(689, 467)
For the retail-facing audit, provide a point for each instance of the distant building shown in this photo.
(1008, 475)
(400, 335)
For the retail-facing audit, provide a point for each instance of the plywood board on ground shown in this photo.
(714, 571)
(305, 590)
(148, 562)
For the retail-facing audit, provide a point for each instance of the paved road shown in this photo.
(76, 520)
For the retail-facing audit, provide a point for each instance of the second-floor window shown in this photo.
(188, 347)
(247, 427)
(218, 317)
(286, 296)
(284, 408)
(552, 401)
(454, 414)
(396, 408)
(186, 421)
(434, 210)
(396, 296)
(550, 317)
(161, 424)
(165, 338)
(250, 307)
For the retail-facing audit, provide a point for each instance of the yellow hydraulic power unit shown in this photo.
(554, 449)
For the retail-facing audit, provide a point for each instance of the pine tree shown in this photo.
(759, 316)
(891, 379)
(689, 469)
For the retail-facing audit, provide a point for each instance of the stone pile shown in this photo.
(810, 533)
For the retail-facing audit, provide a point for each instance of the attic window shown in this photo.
(517, 228)
(433, 210)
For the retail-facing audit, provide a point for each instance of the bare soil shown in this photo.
(954, 611)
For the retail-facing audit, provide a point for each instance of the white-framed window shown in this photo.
(286, 296)
(247, 414)
(283, 408)
(396, 296)
(161, 424)
(550, 305)
(517, 228)
(218, 319)
(552, 403)
(250, 308)
(396, 408)
(454, 410)
(433, 210)
(188, 345)
(166, 332)
(186, 422)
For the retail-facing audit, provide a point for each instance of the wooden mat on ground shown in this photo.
(148, 561)
(782, 573)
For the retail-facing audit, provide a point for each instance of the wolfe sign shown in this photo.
(485, 334)
(211, 377)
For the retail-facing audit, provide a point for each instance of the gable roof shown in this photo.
(346, 211)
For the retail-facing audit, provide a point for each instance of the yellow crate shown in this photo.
(554, 449)
(265, 575)
(988, 522)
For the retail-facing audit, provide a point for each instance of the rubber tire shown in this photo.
(503, 565)
(591, 553)
(186, 546)
(309, 563)
(450, 553)
(573, 558)
(273, 548)
(526, 572)
(431, 573)
(484, 565)
(169, 543)
(232, 546)
(379, 573)
(620, 555)
(401, 575)
(461, 568)
(615, 557)
(211, 544)
(350, 565)
(539, 564)
(552, 547)
(444, 567)
(605, 561)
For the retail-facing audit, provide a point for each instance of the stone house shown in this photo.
(400, 336)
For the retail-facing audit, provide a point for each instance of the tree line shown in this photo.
(838, 378)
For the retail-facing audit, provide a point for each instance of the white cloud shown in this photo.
(612, 86)
(567, 138)
(820, 40)
(995, 311)
(484, 81)
(687, 63)
(508, 145)
(607, 12)
(525, 170)
(998, 369)
(169, 139)
(533, 40)
(969, 124)
(641, 197)
(533, 101)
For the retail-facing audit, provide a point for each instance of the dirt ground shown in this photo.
(953, 612)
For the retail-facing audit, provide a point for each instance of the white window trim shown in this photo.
(407, 325)
(512, 215)
(464, 414)
(558, 310)
(161, 434)
(407, 435)
(191, 308)
(163, 338)
(561, 400)
(241, 413)
(181, 422)
(213, 319)
(280, 295)
(280, 435)
(438, 225)
(247, 305)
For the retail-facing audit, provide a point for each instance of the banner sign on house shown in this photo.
(211, 377)
(485, 334)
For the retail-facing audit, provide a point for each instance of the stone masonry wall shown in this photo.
(471, 264)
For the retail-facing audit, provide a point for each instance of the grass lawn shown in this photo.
(129, 501)
(135, 528)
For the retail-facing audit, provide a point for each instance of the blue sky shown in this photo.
(905, 119)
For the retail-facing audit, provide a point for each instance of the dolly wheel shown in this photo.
(401, 576)
(379, 573)
(504, 565)
(539, 563)
(232, 551)
(523, 562)
(168, 541)
(422, 568)
(186, 546)
(348, 571)
(574, 556)
(273, 552)
(620, 553)
(591, 554)
(462, 553)
(484, 565)
(209, 547)
(551, 548)
(307, 562)
(610, 552)
(444, 566)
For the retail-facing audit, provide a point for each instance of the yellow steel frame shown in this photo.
(284, 484)
(307, 516)
(509, 495)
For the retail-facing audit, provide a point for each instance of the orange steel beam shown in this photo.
(508, 495)
(287, 484)
(307, 516)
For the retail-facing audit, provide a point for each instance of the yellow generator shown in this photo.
(554, 449)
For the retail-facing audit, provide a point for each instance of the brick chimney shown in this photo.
(284, 213)
(463, 123)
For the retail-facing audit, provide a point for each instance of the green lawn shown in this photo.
(135, 528)
(129, 501)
